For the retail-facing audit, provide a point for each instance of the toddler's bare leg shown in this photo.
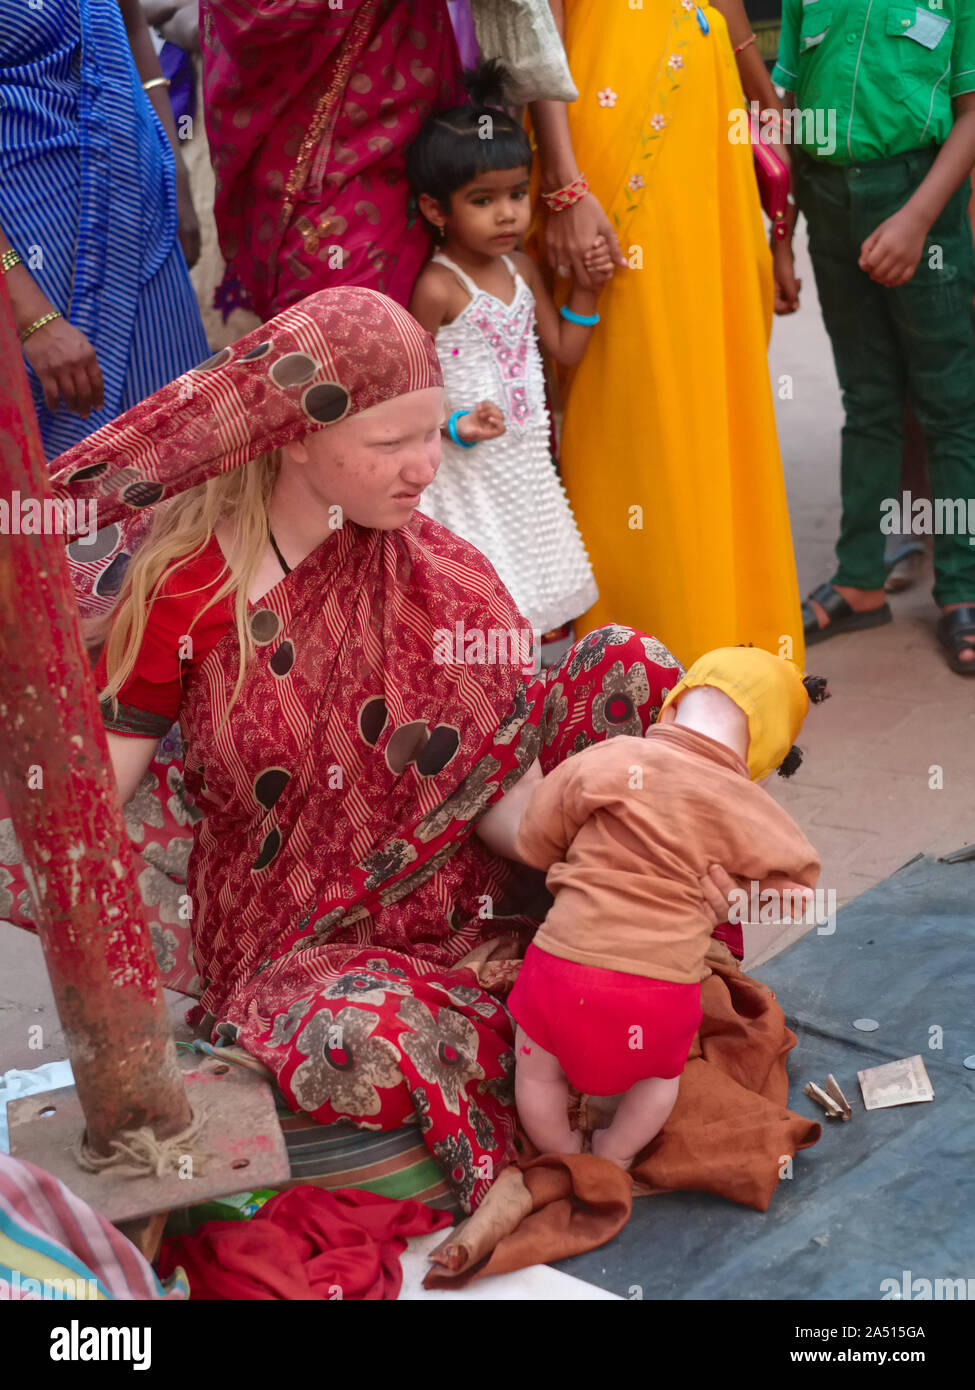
(639, 1118)
(542, 1098)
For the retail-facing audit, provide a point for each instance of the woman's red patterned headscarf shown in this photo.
(335, 354)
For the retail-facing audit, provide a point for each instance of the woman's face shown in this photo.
(373, 465)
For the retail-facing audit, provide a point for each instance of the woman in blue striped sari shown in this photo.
(89, 202)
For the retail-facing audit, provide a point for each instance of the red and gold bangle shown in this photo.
(564, 198)
(747, 44)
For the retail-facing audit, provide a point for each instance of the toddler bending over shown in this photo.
(609, 996)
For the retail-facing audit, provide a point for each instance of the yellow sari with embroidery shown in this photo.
(669, 448)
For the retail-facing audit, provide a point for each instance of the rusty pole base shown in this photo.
(241, 1134)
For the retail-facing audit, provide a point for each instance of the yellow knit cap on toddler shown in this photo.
(768, 689)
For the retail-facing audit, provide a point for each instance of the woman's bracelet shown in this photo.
(747, 44)
(8, 259)
(156, 82)
(39, 323)
(584, 320)
(564, 198)
(452, 430)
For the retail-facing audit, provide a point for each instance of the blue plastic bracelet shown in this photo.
(452, 430)
(586, 320)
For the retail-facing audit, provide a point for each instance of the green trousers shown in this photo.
(914, 342)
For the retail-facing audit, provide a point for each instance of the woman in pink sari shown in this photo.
(310, 112)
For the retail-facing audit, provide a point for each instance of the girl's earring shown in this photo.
(441, 233)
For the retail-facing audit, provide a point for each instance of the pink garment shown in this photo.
(607, 1029)
(310, 113)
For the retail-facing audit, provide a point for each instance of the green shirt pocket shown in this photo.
(816, 19)
(918, 48)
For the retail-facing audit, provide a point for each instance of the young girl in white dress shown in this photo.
(497, 485)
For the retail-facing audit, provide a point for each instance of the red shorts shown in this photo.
(607, 1029)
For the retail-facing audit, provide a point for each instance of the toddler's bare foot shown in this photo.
(602, 1149)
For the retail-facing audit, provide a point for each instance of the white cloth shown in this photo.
(504, 495)
(17, 1083)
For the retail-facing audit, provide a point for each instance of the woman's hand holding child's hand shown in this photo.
(570, 234)
(485, 421)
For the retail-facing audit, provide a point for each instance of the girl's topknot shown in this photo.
(456, 145)
(485, 84)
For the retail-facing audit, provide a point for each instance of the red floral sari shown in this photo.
(310, 112)
(337, 885)
(347, 922)
(374, 1006)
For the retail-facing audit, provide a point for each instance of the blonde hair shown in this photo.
(181, 530)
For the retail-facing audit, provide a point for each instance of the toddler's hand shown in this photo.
(598, 261)
(485, 421)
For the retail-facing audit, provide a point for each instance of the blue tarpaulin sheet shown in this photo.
(887, 1198)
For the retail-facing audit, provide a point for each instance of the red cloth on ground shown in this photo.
(304, 1244)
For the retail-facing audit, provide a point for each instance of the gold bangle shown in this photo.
(39, 323)
(8, 259)
(155, 82)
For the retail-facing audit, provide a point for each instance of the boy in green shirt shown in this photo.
(891, 247)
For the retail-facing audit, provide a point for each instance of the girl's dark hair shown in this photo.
(817, 691)
(454, 146)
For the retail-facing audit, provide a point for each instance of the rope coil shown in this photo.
(139, 1153)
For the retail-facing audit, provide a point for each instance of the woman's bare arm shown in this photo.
(60, 354)
(570, 233)
(130, 759)
(147, 66)
(498, 827)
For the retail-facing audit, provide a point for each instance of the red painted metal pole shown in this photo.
(56, 775)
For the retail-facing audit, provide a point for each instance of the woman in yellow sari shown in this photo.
(669, 448)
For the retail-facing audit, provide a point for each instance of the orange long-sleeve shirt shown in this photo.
(626, 829)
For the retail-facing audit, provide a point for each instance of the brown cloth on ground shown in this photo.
(729, 1134)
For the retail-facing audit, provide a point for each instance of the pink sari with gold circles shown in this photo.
(310, 113)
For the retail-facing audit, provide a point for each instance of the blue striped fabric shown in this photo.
(88, 199)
